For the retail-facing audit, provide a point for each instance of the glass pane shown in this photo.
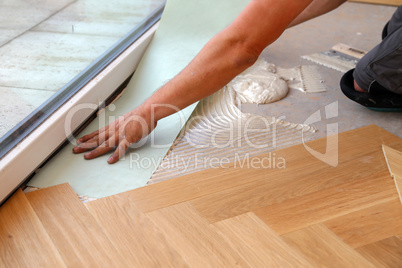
(45, 44)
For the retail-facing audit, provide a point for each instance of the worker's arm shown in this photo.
(315, 9)
(226, 55)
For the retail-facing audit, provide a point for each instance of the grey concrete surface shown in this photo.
(355, 24)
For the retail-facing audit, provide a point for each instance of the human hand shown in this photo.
(122, 132)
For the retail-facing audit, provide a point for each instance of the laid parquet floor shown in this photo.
(308, 214)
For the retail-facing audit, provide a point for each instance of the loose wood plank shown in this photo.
(76, 234)
(379, 2)
(398, 184)
(133, 234)
(324, 249)
(257, 244)
(193, 238)
(351, 51)
(369, 225)
(394, 160)
(24, 242)
(316, 207)
(384, 253)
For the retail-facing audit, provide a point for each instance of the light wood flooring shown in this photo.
(394, 161)
(308, 214)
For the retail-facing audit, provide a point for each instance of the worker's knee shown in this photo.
(382, 65)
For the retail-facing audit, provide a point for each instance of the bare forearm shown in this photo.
(315, 9)
(226, 55)
(212, 69)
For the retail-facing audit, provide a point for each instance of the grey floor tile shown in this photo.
(6, 35)
(18, 16)
(44, 44)
(17, 103)
(42, 60)
(107, 18)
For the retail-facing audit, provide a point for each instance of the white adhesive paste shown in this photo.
(259, 84)
(218, 132)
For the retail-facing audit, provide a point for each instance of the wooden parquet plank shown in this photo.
(398, 185)
(384, 253)
(380, 2)
(76, 234)
(365, 141)
(394, 162)
(257, 244)
(324, 249)
(316, 207)
(24, 242)
(133, 234)
(273, 194)
(369, 225)
(360, 157)
(195, 240)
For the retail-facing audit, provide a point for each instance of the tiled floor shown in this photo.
(44, 44)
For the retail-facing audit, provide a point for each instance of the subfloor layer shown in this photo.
(308, 214)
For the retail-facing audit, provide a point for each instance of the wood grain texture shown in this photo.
(76, 234)
(368, 225)
(193, 238)
(394, 160)
(329, 203)
(324, 249)
(351, 51)
(306, 175)
(398, 185)
(384, 253)
(183, 188)
(24, 242)
(257, 244)
(137, 239)
(365, 141)
(380, 2)
(233, 216)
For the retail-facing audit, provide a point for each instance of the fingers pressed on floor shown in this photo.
(95, 133)
(87, 137)
(83, 147)
(119, 152)
(101, 150)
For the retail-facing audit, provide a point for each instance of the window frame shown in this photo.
(22, 159)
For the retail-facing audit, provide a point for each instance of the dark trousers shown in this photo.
(383, 64)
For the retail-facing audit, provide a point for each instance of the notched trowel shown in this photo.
(341, 57)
